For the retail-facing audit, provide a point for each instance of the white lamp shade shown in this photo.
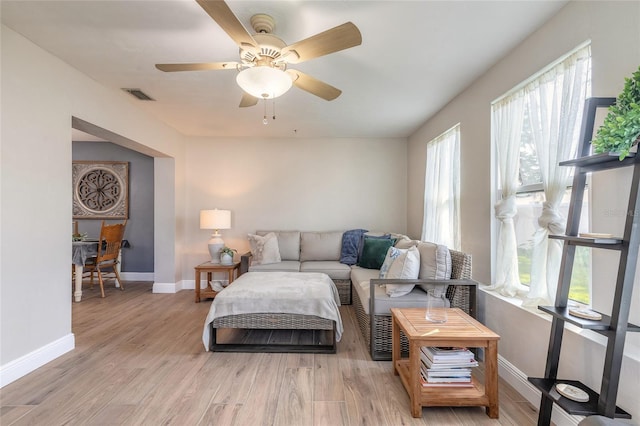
(215, 219)
(264, 82)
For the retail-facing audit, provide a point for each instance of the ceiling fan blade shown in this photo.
(314, 86)
(338, 38)
(207, 66)
(220, 12)
(248, 100)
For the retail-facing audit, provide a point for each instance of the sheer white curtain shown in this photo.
(555, 103)
(441, 222)
(507, 117)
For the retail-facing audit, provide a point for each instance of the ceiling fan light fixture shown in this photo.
(264, 82)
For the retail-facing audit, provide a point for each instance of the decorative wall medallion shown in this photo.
(100, 190)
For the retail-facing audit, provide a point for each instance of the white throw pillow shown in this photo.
(264, 249)
(405, 266)
(392, 254)
(435, 264)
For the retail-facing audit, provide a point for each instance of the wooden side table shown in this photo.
(460, 330)
(210, 268)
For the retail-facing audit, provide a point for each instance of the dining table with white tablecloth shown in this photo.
(82, 250)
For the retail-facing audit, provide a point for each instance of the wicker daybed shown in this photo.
(276, 321)
(277, 301)
(461, 294)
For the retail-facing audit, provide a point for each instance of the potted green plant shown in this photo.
(226, 255)
(621, 128)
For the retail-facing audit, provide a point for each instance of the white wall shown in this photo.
(40, 95)
(614, 28)
(293, 184)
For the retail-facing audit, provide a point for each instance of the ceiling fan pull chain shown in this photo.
(264, 120)
(274, 108)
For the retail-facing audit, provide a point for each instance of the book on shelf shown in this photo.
(461, 379)
(447, 385)
(440, 382)
(600, 238)
(441, 367)
(447, 354)
(447, 364)
(453, 372)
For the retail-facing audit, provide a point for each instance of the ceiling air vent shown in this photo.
(139, 94)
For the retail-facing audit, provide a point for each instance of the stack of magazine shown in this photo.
(446, 367)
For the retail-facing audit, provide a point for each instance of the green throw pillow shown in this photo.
(374, 250)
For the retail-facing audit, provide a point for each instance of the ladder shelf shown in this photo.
(614, 326)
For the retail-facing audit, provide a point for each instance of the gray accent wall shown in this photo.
(139, 232)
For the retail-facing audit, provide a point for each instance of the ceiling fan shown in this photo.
(264, 58)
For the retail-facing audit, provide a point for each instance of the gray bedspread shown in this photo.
(305, 293)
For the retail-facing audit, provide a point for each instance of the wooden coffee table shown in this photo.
(460, 330)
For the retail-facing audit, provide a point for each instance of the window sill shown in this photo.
(632, 346)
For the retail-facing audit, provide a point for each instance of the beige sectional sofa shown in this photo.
(440, 270)
(307, 252)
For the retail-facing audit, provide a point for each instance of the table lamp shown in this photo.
(216, 220)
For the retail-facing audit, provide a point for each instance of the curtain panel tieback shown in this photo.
(506, 208)
(552, 220)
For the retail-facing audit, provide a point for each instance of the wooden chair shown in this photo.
(109, 245)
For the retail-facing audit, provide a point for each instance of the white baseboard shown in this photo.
(137, 276)
(24, 365)
(181, 285)
(516, 378)
(165, 288)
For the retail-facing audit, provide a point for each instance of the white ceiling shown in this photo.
(414, 58)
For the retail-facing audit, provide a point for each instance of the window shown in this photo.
(441, 222)
(530, 199)
(534, 127)
(529, 205)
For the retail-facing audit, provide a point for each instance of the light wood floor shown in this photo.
(139, 360)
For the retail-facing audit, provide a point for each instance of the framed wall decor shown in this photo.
(100, 190)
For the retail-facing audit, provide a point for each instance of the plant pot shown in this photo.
(226, 259)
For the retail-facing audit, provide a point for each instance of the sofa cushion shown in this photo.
(333, 268)
(374, 251)
(288, 242)
(320, 245)
(388, 260)
(405, 243)
(264, 249)
(435, 261)
(350, 245)
(284, 266)
(399, 237)
(362, 275)
(416, 298)
(369, 234)
(406, 265)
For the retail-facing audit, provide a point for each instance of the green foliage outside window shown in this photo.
(579, 290)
